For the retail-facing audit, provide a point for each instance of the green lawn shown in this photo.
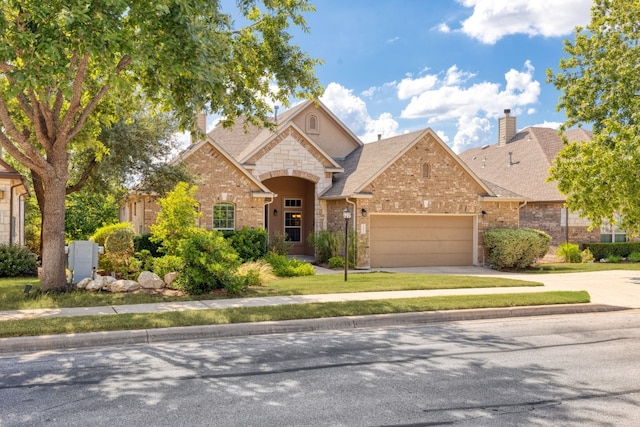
(581, 268)
(68, 325)
(13, 297)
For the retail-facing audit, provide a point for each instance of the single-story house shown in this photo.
(413, 201)
(13, 190)
(519, 163)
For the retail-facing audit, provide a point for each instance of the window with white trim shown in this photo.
(224, 216)
(293, 219)
(611, 233)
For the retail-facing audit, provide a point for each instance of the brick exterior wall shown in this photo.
(402, 188)
(548, 218)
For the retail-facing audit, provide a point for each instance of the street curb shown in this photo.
(147, 336)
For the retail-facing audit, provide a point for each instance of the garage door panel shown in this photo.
(415, 240)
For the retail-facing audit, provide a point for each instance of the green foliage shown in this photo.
(249, 243)
(327, 244)
(257, 272)
(515, 248)
(634, 257)
(143, 242)
(102, 233)
(279, 244)
(177, 217)
(16, 261)
(569, 252)
(86, 212)
(614, 258)
(289, 267)
(209, 262)
(599, 84)
(146, 260)
(586, 256)
(167, 264)
(336, 262)
(79, 67)
(603, 250)
(118, 253)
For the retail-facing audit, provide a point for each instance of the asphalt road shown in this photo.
(569, 370)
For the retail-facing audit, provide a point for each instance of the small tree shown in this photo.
(177, 218)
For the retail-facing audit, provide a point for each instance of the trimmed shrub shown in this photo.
(602, 250)
(515, 248)
(336, 262)
(289, 267)
(17, 261)
(209, 262)
(249, 243)
(101, 234)
(569, 252)
(118, 252)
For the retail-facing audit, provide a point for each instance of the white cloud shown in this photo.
(409, 87)
(472, 105)
(352, 111)
(393, 40)
(546, 124)
(493, 19)
(444, 28)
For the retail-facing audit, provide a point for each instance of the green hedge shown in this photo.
(603, 250)
(515, 248)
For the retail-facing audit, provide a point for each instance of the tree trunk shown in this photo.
(53, 276)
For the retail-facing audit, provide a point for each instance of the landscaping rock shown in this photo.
(169, 278)
(149, 280)
(122, 286)
(84, 282)
(99, 282)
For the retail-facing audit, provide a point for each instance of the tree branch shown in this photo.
(83, 179)
(75, 105)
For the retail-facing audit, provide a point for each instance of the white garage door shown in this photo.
(421, 240)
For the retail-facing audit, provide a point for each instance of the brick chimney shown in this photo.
(506, 128)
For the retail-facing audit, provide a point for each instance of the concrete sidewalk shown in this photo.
(609, 290)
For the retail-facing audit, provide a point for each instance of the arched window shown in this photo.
(313, 124)
(224, 216)
(426, 170)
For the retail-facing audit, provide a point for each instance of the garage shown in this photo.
(421, 240)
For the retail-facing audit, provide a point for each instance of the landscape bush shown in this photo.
(509, 248)
(279, 244)
(257, 272)
(612, 258)
(326, 244)
(142, 242)
(603, 250)
(289, 267)
(209, 262)
(118, 252)
(586, 256)
(167, 264)
(634, 257)
(569, 252)
(249, 243)
(17, 261)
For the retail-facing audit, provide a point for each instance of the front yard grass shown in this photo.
(13, 297)
(69, 325)
(581, 267)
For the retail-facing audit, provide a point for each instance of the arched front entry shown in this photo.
(292, 212)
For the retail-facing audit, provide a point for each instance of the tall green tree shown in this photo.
(600, 87)
(70, 68)
(177, 217)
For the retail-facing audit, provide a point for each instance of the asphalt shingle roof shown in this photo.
(521, 166)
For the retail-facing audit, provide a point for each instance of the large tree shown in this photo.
(600, 84)
(69, 68)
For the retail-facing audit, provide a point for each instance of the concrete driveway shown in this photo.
(617, 287)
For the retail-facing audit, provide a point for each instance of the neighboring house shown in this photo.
(414, 203)
(519, 162)
(13, 190)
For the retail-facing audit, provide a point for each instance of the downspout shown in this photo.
(11, 223)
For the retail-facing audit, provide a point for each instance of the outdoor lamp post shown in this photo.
(346, 214)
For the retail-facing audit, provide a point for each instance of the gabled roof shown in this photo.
(185, 154)
(370, 160)
(244, 139)
(521, 165)
(8, 172)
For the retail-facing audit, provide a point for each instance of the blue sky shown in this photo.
(393, 66)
